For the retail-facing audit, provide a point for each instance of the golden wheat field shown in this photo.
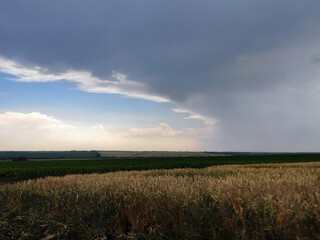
(265, 201)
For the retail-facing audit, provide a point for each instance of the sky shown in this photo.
(208, 75)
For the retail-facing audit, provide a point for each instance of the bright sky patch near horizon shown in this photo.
(160, 75)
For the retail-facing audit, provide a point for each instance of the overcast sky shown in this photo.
(223, 75)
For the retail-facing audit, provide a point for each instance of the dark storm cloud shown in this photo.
(244, 63)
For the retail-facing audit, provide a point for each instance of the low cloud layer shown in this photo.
(192, 115)
(250, 67)
(117, 83)
(36, 131)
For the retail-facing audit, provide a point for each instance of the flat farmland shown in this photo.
(139, 154)
(17, 171)
(255, 201)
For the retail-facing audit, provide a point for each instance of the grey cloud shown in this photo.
(315, 58)
(234, 61)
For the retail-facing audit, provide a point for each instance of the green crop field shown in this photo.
(16, 171)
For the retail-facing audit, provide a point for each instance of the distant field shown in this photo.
(6, 155)
(139, 154)
(15, 171)
(257, 201)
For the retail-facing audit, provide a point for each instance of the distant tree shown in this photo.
(19, 159)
